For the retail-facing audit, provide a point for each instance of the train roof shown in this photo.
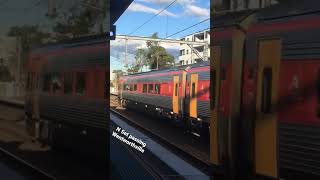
(289, 8)
(196, 65)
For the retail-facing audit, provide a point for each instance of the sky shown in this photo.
(182, 14)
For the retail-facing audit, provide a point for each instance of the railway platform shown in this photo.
(155, 156)
(60, 164)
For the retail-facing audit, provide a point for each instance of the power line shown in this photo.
(188, 27)
(153, 17)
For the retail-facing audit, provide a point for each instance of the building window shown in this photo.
(157, 88)
(68, 81)
(144, 88)
(187, 51)
(182, 52)
(81, 83)
(150, 88)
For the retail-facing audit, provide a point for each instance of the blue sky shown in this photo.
(182, 14)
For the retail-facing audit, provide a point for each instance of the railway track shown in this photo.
(25, 167)
(200, 164)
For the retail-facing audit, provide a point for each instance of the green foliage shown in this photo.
(30, 35)
(76, 21)
(155, 57)
(117, 75)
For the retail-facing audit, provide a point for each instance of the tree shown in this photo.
(116, 77)
(141, 58)
(157, 55)
(29, 36)
(77, 21)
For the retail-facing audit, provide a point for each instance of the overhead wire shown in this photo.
(150, 19)
(188, 27)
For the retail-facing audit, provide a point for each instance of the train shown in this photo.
(179, 93)
(66, 94)
(265, 75)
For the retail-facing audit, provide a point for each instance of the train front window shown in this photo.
(150, 88)
(144, 88)
(157, 88)
(81, 83)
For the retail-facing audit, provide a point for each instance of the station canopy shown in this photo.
(117, 8)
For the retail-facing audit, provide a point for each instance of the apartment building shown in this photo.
(190, 54)
(237, 5)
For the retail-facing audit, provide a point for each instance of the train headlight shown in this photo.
(171, 112)
(199, 119)
(146, 106)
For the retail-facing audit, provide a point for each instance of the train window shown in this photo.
(157, 88)
(223, 73)
(318, 93)
(126, 87)
(131, 87)
(266, 90)
(28, 81)
(135, 87)
(68, 81)
(46, 82)
(37, 80)
(251, 73)
(193, 90)
(56, 83)
(150, 88)
(176, 90)
(213, 88)
(81, 83)
(144, 88)
(106, 85)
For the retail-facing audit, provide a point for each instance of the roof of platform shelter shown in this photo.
(117, 8)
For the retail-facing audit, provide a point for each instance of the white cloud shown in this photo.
(197, 11)
(137, 7)
(162, 2)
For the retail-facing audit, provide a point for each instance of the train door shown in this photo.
(266, 133)
(215, 94)
(193, 95)
(175, 96)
